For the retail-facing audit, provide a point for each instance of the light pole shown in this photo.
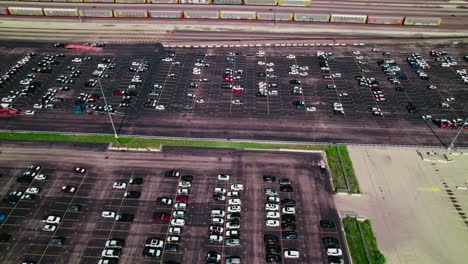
(458, 133)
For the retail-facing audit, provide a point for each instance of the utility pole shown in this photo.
(452, 144)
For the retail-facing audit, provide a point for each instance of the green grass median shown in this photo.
(357, 244)
(342, 170)
(142, 142)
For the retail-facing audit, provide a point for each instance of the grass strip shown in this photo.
(353, 237)
(375, 255)
(140, 142)
(341, 168)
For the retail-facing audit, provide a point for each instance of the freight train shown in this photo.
(180, 13)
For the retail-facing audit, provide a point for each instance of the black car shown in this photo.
(57, 241)
(288, 218)
(187, 178)
(261, 74)
(212, 256)
(5, 237)
(171, 248)
(400, 89)
(218, 197)
(272, 249)
(286, 188)
(288, 226)
(273, 258)
(269, 178)
(270, 239)
(132, 194)
(327, 224)
(125, 217)
(59, 45)
(335, 260)
(288, 202)
(172, 173)
(330, 242)
(289, 235)
(11, 200)
(284, 181)
(294, 81)
(24, 179)
(136, 181)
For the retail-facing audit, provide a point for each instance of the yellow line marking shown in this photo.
(429, 189)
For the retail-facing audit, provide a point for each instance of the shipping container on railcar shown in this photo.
(61, 12)
(163, 1)
(390, 20)
(213, 14)
(307, 17)
(204, 2)
(96, 13)
(423, 21)
(337, 18)
(238, 15)
(26, 11)
(39, 0)
(131, 1)
(4, 11)
(279, 16)
(261, 2)
(98, 1)
(68, 1)
(130, 13)
(166, 14)
(227, 2)
(294, 2)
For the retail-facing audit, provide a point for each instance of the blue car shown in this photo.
(2, 217)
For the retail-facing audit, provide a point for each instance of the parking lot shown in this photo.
(178, 98)
(83, 228)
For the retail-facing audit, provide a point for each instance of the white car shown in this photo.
(234, 209)
(234, 201)
(111, 253)
(270, 64)
(218, 220)
(290, 56)
(178, 214)
(52, 219)
(272, 222)
(311, 109)
(108, 214)
(261, 63)
(272, 215)
(291, 253)
(200, 101)
(237, 187)
(173, 239)
(288, 210)
(185, 184)
(37, 106)
(175, 230)
(304, 74)
(40, 177)
(33, 190)
(177, 222)
(271, 207)
(223, 177)
(334, 252)
(358, 52)
(155, 242)
(273, 199)
(180, 206)
(160, 107)
(219, 190)
(29, 112)
(49, 228)
(183, 191)
(77, 60)
(119, 185)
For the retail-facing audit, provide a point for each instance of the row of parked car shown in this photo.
(287, 216)
(7, 102)
(224, 228)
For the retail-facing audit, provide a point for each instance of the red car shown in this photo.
(161, 217)
(68, 189)
(118, 92)
(234, 91)
(182, 198)
(229, 79)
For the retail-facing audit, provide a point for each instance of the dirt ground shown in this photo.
(417, 213)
